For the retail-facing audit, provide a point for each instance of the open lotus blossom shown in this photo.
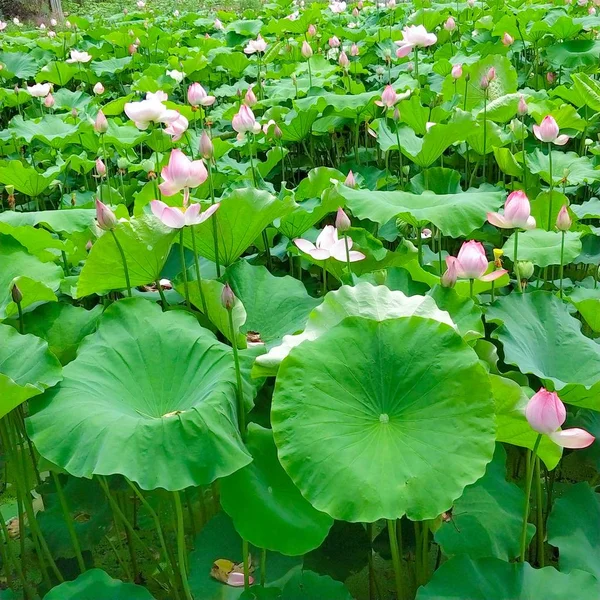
(329, 246)
(337, 7)
(197, 96)
(257, 45)
(546, 413)
(79, 57)
(181, 173)
(517, 213)
(177, 128)
(39, 90)
(414, 36)
(244, 121)
(177, 217)
(150, 110)
(472, 263)
(547, 131)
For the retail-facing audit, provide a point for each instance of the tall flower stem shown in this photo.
(485, 97)
(263, 567)
(419, 246)
(238, 376)
(562, 263)
(184, 268)
(400, 167)
(214, 222)
(21, 322)
(265, 237)
(471, 292)
(197, 267)
(523, 152)
(417, 64)
(124, 261)
(246, 558)
(102, 136)
(396, 558)
(515, 261)
(539, 512)
(551, 186)
(530, 471)
(348, 259)
(309, 73)
(181, 550)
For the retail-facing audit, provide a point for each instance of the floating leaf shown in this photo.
(543, 247)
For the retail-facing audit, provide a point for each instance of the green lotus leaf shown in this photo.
(462, 310)
(493, 579)
(540, 337)
(151, 396)
(363, 418)
(52, 130)
(573, 53)
(110, 66)
(26, 179)
(577, 169)
(570, 530)
(96, 584)
(456, 215)
(59, 73)
(68, 220)
(275, 306)
(27, 368)
(588, 89)
(146, 244)
(587, 210)
(361, 300)
(488, 517)
(587, 302)
(543, 247)
(266, 507)
(18, 64)
(307, 585)
(240, 220)
(37, 241)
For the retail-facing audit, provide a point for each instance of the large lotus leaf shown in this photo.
(110, 66)
(151, 396)
(240, 220)
(307, 585)
(59, 73)
(513, 428)
(96, 584)
(27, 368)
(588, 88)
(573, 53)
(462, 310)
(540, 337)
(146, 244)
(361, 300)
(52, 130)
(266, 507)
(62, 221)
(37, 241)
(455, 215)
(364, 418)
(275, 306)
(587, 210)
(18, 64)
(493, 579)
(543, 247)
(39, 279)
(350, 106)
(577, 169)
(217, 540)
(26, 179)
(572, 528)
(587, 302)
(63, 326)
(488, 517)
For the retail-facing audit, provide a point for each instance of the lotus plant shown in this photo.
(413, 38)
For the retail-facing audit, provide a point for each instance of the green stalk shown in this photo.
(400, 167)
(530, 471)
(130, 544)
(198, 277)
(324, 280)
(121, 562)
(238, 376)
(417, 64)
(523, 151)
(21, 323)
(107, 169)
(471, 294)
(245, 556)
(348, 259)
(69, 522)
(309, 73)
(551, 186)
(484, 132)
(356, 139)
(124, 261)
(263, 567)
(181, 549)
(562, 263)
(418, 554)
(425, 553)
(184, 268)
(396, 558)
(539, 514)
(190, 508)
(214, 217)
(161, 293)
(515, 259)
(419, 246)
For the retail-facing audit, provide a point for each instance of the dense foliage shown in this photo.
(301, 303)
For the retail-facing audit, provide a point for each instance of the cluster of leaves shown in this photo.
(385, 403)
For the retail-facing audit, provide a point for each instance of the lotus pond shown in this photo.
(301, 303)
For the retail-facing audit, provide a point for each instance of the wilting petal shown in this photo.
(493, 275)
(173, 217)
(305, 245)
(572, 438)
(498, 220)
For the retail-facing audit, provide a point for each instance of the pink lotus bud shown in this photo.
(547, 131)
(491, 74)
(388, 97)
(550, 77)
(360, 5)
(250, 97)
(507, 39)
(350, 181)
(354, 50)
(227, 297)
(457, 71)
(545, 411)
(522, 107)
(342, 222)
(449, 278)
(74, 113)
(484, 84)
(243, 121)
(105, 217)
(306, 49)
(472, 260)
(343, 60)
(101, 123)
(355, 12)
(100, 168)
(206, 146)
(218, 25)
(334, 42)
(396, 116)
(592, 10)
(98, 89)
(450, 24)
(312, 30)
(132, 49)
(49, 101)
(16, 294)
(197, 96)
(563, 220)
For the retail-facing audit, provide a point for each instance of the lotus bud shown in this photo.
(450, 24)
(450, 276)
(457, 71)
(550, 77)
(380, 276)
(98, 89)
(524, 269)
(563, 220)
(355, 12)
(545, 412)
(350, 181)
(343, 60)
(250, 97)
(122, 163)
(74, 113)
(227, 298)
(522, 108)
(491, 74)
(53, 22)
(507, 39)
(334, 42)
(132, 49)
(354, 50)
(342, 222)
(312, 30)
(100, 168)
(16, 294)
(360, 5)
(484, 83)
(148, 165)
(105, 217)
(49, 101)
(101, 123)
(306, 49)
(396, 116)
(206, 146)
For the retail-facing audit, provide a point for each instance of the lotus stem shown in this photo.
(539, 514)
(419, 246)
(530, 471)
(181, 549)
(238, 376)
(69, 522)
(21, 323)
(348, 259)
(515, 261)
(425, 553)
(263, 567)
(400, 167)
(523, 151)
(110, 199)
(161, 293)
(198, 277)
(485, 96)
(417, 65)
(471, 292)
(184, 269)
(396, 558)
(562, 263)
(124, 261)
(121, 562)
(211, 186)
(551, 186)
(246, 558)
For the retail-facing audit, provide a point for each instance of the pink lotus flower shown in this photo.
(343, 60)
(250, 97)
(334, 42)
(49, 101)
(337, 7)
(507, 39)
(182, 174)
(546, 413)
(100, 168)
(206, 146)
(79, 57)
(39, 90)
(150, 110)
(547, 131)
(101, 123)
(550, 77)
(218, 25)
(414, 36)
(105, 217)
(484, 84)
(98, 89)
(450, 277)
(350, 180)
(491, 74)
(176, 218)
(312, 30)
(472, 263)
(354, 50)
(328, 246)
(177, 128)
(257, 45)
(563, 219)
(522, 107)
(388, 97)
(197, 96)
(306, 50)
(450, 24)
(342, 221)
(457, 71)
(517, 213)
(244, 121)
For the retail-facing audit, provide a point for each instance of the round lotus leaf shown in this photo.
(380, 419)
(97, 585)
(266, 507)
(151, 395)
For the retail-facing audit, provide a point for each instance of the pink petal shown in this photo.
(404, 50)
(561, 140)
(318, 254)
(209, 212)
(531, 224)
(498, 220)
(158, 208)
(572, 438)
(173, 217)
(493, 275)
(338, 251)
(356, 256)
(305, 245)
(327, 238)
(537, 132)
(168, 188)
(191, 214)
